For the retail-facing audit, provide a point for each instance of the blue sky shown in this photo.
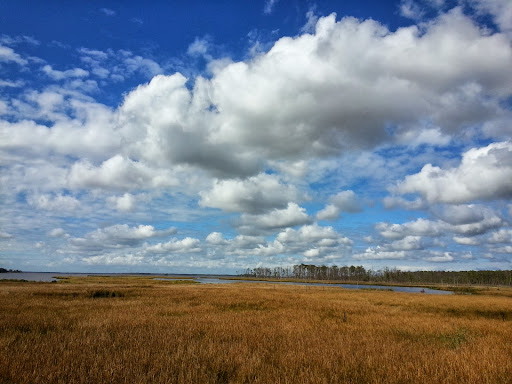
(208, 137)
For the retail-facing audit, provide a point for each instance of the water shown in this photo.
(50, 276)
(215, 280)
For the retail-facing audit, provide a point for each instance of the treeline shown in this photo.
(387, 275)
(3, 270)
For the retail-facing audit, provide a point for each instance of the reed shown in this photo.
(138, 330)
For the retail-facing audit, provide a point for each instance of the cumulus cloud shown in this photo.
(346, 100)
(419, 227)
(58, 232)
(124, 203)
(408, 243)
(115, 237)
(119, 172)
(310, 241)
(466, 240)
(186, 245)
(501, 236)
(216, 238)
(500, 10)
(463, 225)
(441, 257)
(313, 234)
(378, 254)
(391, 202)
(199, 47)
(58, 203)
(345, 201)
(462, 214)
(291, 216)
(483, 174)
(88, 135)
(307, 97)
(254, 195)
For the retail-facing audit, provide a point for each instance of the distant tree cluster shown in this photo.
(3, 270)
(387, 275)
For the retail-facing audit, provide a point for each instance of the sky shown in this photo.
(214, 136)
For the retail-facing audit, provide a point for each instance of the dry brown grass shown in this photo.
(160, 332)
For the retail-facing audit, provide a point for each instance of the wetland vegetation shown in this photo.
(140, 330)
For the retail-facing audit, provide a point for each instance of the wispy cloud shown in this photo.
(269, 6)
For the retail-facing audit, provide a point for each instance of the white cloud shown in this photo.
(462, 214)
(199, 47)
(310, 234)
(58, 232)
(466, 240)
(119, 172)
(441, 257)
(312, 253)
(500, 10)
(311, 20)
(117, 236)
(8, 55)
(290, 216)
(310, 241)
(215, 238)
(411, 10)
(419, 227)
(63, 75)
(269, 6)
(462, 225)
(114, 259)
(501, 236)
(345, 201)
(5, 235)
(255, 135)
(483, 174)
(186, 245)
(254, 195)
(22, 39)
(108, 11)
(419, 135)
(504, 249)
(143, 65)
(58, 203)
(11, 84)
(391, 202)
(408, 243)
(124, 203)
(338, 90)
(330, 212)
(378, 254)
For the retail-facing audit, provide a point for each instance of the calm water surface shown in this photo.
(215, 280)
(50, 276)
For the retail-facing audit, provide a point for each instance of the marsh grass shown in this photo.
(154, 332)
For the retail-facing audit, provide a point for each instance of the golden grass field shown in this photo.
(138, 330)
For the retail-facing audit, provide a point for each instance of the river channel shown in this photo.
(51, 276)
